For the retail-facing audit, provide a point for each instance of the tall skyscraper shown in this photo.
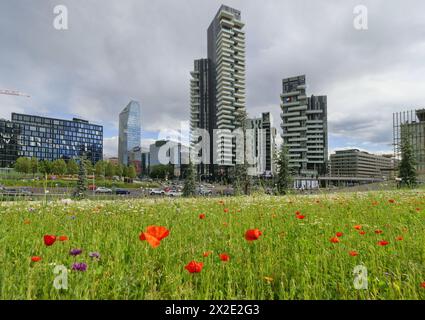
(200, 113)
(224, 75)
(304, 125)
(263, 145)
(130, 127)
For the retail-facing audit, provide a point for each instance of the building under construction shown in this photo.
(411, 125)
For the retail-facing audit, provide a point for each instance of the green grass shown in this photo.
(293, 259)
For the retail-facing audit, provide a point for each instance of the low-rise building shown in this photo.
(360, 164)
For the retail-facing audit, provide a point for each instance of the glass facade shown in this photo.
(130, 128)
(49, 139)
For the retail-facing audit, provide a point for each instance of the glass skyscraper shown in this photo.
(130, 128)
(48, 139)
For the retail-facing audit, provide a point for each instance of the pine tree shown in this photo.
(189, 188)
(407, 169)
(284, 174)
(81, 189)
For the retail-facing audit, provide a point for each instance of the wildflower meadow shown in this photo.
(259, 247)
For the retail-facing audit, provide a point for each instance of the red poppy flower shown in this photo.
(252, 234)
(300, 216)
(423, 284)
(194, 267)
(206, 254)
(353, 253)
(49, 240)
(226, 210)
(63, 238)
(378, 231)
(224, 257)
(202, 216)
(362, 232)
(391, 201)
(399, 238)
(334, 240)
(358, 227)
(382, 243)
(35, 259)
(339, 234)
(154, 235)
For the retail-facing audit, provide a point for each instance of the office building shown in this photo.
(304, 126)
(48, 139)
(221, 80)
(263, 145)
(200, 114)
(167, 152)
(129, 140)
(360, 164)
(410, 125)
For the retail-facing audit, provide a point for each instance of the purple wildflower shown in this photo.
(94, 255)
(79, 266)
(75, 252)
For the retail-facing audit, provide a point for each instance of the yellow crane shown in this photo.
(14, 93)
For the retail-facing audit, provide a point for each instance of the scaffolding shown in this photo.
(410, 125)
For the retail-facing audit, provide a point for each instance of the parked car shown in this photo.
(103, 190)
(122, 192)
(156, 192)
(174, 193)
(204, 192)
(229, 192)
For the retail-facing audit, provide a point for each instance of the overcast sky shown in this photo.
(115, 51)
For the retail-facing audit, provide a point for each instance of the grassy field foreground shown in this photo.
(308, 248)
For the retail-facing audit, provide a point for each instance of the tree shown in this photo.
(161, 171)
(189, 188)
(81, 188)
(23, 165)
(118, 170)
(99, 168)
(34, 165)
(284, 174)
(109, 170)
(59, 167)
(45, 167)
(72, 167)
(125, 171)
(131, 172)
(407, 169)
(89, 166)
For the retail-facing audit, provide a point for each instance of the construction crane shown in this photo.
(14, 93)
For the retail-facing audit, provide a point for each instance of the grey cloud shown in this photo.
(115, 51)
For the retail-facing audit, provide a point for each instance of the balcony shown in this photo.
(290, 94)
(289, 104)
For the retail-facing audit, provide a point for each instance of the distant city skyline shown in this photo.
(91, 70)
